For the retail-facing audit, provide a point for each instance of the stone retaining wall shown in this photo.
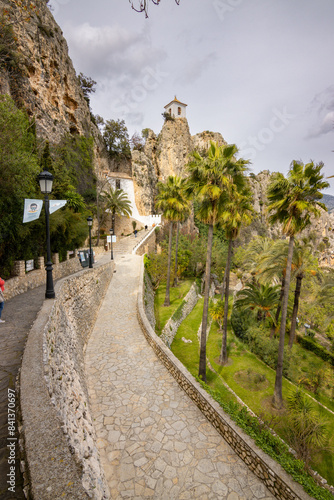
(187, 305)
(32, 279)
(59, 439)
(146, 246)
(149, 300)
(263, 466)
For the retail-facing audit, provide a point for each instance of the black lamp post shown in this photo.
(45, 182)
(90, 223)
(111, 234)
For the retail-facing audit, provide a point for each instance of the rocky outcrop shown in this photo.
(145, 182)
(173, 147)
(44, 81)
(49, 86)
(164, 155)
(321, 230)
(201, 141)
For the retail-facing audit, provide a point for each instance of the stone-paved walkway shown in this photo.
(19, 313)
(154, 442)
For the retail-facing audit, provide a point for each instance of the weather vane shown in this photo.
(143, 5)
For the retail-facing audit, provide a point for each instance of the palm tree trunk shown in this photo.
(295, 309)
(167, 298)
(223, 353)
(176, 250)
(278, 396)
(202, 355)
(278, 310)
(223, 285)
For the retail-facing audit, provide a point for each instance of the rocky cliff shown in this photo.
(321, 231)
(168, 154)
(41, 78)
(164, 155)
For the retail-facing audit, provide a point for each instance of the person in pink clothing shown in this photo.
(2, 303)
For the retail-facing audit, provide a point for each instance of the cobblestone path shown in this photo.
(153, 441)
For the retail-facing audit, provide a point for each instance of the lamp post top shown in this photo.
(45, 181)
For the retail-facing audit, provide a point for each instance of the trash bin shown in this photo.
(84, 257)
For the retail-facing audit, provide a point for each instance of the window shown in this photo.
(118, 183)
(179, 110)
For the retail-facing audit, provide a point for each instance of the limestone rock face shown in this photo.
(259, 184)
(49, 88)
(321, 228)
(165, 155)
(45, 82)
(174, 144)
(145, 181)
(201, 141)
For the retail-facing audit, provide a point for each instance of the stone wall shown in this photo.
(26, 281)
(149, 300)
(147, 244)
(187, 305)
(264, 467)
(62, 459)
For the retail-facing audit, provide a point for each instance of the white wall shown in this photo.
(174, 110)
(127, 186)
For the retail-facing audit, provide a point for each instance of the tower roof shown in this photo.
(176, 101)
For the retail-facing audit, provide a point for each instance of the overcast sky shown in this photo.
(260, 72)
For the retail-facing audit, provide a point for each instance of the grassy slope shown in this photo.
(242, 360)
(162, 314)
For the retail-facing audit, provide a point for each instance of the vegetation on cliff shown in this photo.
(22, 158)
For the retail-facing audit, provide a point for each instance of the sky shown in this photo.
(260, 72)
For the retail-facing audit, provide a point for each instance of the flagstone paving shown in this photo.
(153, 441)
(19, 314)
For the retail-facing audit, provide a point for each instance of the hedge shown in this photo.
(311, 345)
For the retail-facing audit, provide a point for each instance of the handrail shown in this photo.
(135, 248)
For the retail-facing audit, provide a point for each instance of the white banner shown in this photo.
(56, 204)
(32, 210)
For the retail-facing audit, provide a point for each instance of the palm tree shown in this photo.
(273, 266)
(173, 202)
(237, 211)
(260, 298)
(255, 249)
(292, 201)
(216, 310)
(117, 202)
(183, 216)
(211, 178)
(303, 263)
(307, 431)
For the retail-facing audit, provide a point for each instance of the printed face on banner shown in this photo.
(32, 210)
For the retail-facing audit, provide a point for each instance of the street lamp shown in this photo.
(111, 233)
(45, 182)
(90, 223)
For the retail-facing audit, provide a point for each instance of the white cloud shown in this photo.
(111, 51)
(322, 107)
(196, 67)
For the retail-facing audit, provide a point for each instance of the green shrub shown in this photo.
(312, 345)
(240, 322)
(270, 444)
(266, 349)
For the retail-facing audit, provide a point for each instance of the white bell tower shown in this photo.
(176, 108)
